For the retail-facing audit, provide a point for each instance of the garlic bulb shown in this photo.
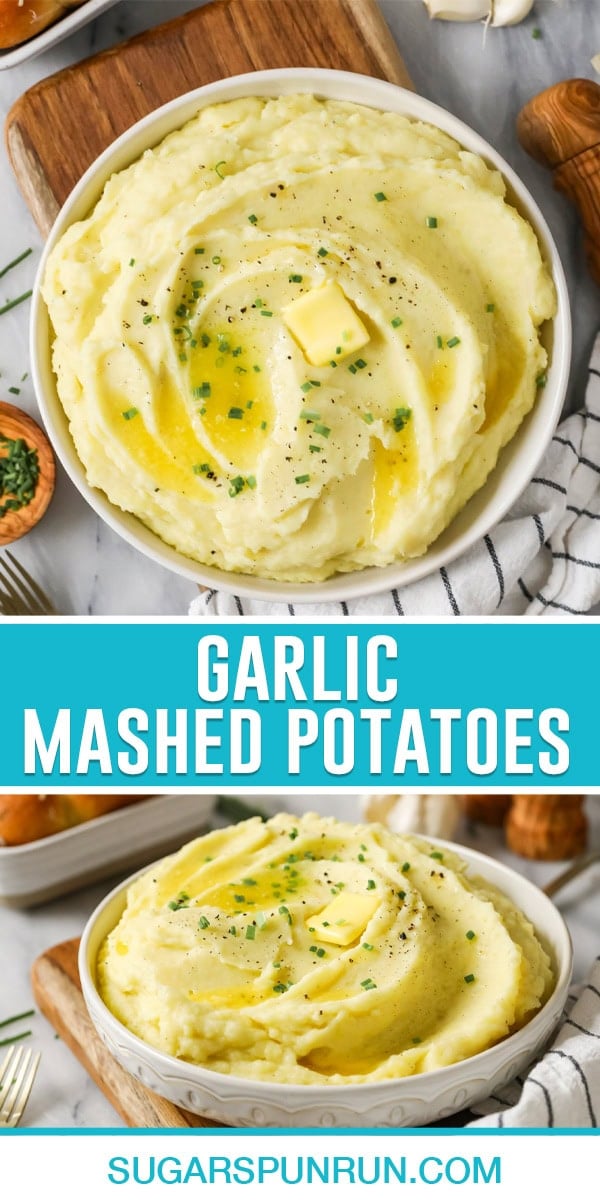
(459, 10)
(510, 12)
(434, 816)
(495, 12)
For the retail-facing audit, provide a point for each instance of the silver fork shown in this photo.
(17, 1074)
(20, 595)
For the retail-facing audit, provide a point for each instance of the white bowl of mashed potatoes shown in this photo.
(301, 335)
(310, 972)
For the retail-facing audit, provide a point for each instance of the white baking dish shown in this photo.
(55, 33)
(121, 841)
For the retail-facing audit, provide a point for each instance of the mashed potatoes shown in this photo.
(313, 951)
(294, 337)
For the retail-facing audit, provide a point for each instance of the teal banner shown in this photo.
(262, 705)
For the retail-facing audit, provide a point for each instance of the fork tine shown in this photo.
(13, 1090)
(7, 1063)
(38, 592)
(8, 1092)
(17, 589)
(33, 1062)
(7, 605)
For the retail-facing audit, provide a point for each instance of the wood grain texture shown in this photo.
(16, 424)
(58, 995)
(57, 128)
(561, 129)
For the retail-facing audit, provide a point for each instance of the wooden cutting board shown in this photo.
(57, 128)
(58, 995)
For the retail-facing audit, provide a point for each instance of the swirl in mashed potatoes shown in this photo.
(313, 951)
(294, 337)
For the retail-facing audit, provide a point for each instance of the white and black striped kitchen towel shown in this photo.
(562, 1090)
(542, 559)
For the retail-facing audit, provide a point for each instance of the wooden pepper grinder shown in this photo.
(547, 827)
(488, 809)
(561, 129)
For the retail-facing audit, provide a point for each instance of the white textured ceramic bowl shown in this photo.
(415, 1101)
(519, 459)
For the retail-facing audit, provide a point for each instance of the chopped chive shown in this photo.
(323, 430)
(261, 919)
(322, 252)
(306, 387)
(14, 391)
(182, 356)
(199, 250)
(256, 368)
(180, 902)
(360, 363)
(294, 279)
(302, 478)
(293, 834)
(431, 222)
(321, 952)
(280, 987)
(453, 341)
(201, 468)
(216, 258)
(263, 424)
(236, 486)
(235, 414)
(370, 885)
(439, 341)
(129, 414)
(17, 1037)
(205, 340)
(361, 858)
(400, 418)
(314, 449)
(416, 1041)
(239, 899)
(286, 913)
(536, 33)
(222, 163)
(368, 984)
(437, 854)
(265, 312)
(24, 1016)
(352, 369)
(13, 303)
(202, 391)
(367, 946)
(258, 303)
(197, 283)
(469, 979)
(380, 196)
(249, 882)
(250, 933)
(253, 218)
(490, 308)
(203, 923)
(308, 414)
(233, 930)
(470, 935)
(402, 895)
(396, 321)
(405, 868)
(132, 262)
(15, 262)
(332, 362)
(541, 379)
(368, 418)
(251, 482)
(147, 319)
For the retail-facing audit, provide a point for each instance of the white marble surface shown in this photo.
(87, 568)
(64, 1096)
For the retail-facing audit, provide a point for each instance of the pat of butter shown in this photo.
(343, 921)
(325, 325)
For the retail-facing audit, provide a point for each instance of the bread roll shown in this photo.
(23, 19)
(29, 818)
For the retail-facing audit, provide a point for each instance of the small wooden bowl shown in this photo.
(14, 423)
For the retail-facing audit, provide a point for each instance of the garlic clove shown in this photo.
(510, 12)
(459, 10)
(433, 816)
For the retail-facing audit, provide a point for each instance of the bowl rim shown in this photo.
(561, 949)
(528, 444)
